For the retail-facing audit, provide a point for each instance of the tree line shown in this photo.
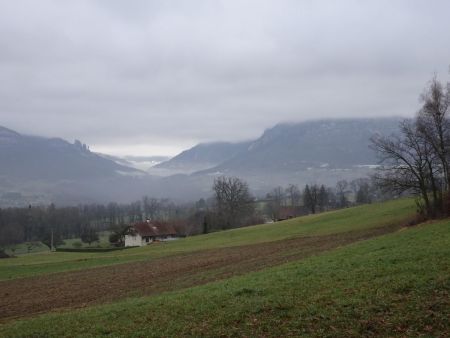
(41, 223)
(231, 205)
(318, 197)
(234, 206)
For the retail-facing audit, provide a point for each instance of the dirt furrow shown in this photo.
(74, 289)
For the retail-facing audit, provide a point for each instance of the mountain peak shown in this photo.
(8, 136)
(7, 132)
(33, 157)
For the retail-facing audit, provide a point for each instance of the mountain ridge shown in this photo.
(319, 151)
(332, 143)
(35, 157)
(203, 156)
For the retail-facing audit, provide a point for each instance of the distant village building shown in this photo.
(147, 232)
(290, 212)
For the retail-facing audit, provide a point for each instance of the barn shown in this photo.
(143, 233)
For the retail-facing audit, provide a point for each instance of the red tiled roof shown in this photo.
(289, 212)
(153, 229)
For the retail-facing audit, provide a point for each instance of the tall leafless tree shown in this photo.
(417, 160)
(234, 202)
(293, 194)
(275, 201)
(311, 197)
(433, 126)
(341, 193)
(323, 198)
(404, 163)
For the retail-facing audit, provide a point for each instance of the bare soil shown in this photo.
(30, 296)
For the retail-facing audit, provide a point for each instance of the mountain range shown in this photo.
(288, 147)
(203, 156)
(37, 158)
(321, 151)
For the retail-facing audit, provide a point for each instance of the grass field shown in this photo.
(39, 247)
(26, 248)
(351, 219)
(394, 285)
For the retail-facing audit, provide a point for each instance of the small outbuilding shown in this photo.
(143, 233)
(290, 212)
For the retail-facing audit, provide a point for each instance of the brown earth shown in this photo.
(30, 296)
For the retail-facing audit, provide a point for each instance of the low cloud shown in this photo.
(149, 77)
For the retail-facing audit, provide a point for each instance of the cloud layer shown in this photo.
(153, 77)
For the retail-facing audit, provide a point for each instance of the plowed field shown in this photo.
(30, 296)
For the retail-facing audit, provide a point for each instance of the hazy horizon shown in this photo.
(155, 78)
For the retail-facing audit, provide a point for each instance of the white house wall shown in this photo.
(133, 240)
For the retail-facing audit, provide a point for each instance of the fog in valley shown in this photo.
(103, 101)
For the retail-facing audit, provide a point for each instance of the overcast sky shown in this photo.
(154, 77)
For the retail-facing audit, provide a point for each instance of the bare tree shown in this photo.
(322, 198)
(407, 164)
(234, 202)
(433, 128)
(10, 234)
(275, 200)
(293, 194)
(361, 190)
(151, 207)
(341, 193)
(89, 235)
(418, 160)
(433, 123)
(311, 197)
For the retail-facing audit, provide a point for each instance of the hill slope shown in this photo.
(395, 285)
(203, 156)
(366, 217)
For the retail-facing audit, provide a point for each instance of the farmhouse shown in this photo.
(144, 233)
(290, 212)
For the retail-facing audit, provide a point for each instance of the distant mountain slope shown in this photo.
(41, 170)
(203, 156)
(38, 158)
(339, 143)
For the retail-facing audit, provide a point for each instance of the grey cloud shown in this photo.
(172, 73)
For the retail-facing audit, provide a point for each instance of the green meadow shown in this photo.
(393, 285)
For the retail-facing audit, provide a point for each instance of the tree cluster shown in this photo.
(417, 160)
(317, 198)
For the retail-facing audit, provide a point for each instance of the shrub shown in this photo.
(77, 244)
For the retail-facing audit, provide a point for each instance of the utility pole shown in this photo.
(51, 241)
